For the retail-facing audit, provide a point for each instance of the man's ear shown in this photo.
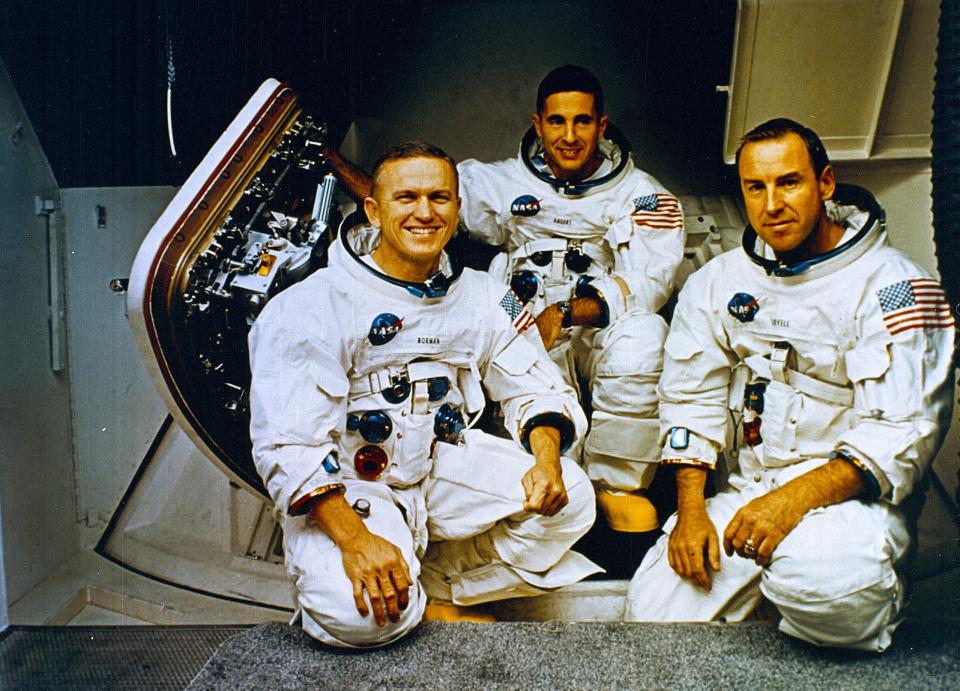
(372, 209)
(827, 183)
(603, 124)
(535, 117)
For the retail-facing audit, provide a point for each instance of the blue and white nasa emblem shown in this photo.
(384, 327)
(525, 205)
(743, 307)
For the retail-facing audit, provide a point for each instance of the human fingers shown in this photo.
(390, 599)
(536, 498)
(731, 530)
(698, 568)
(765, 549)
(401, 582)
(358, 598)
(713, 550)
(681, 556)
(376, 600)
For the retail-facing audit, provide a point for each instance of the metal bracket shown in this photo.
(56, 314)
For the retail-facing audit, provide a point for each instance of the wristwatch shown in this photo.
(565, 310)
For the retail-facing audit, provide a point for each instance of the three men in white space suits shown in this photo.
(818, 358)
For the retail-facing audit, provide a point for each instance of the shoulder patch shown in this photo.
(517, 311)
(657, 212)
(917, 303)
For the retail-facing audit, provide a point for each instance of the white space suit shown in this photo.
(619, 237)
(355, 375)
(852, 356)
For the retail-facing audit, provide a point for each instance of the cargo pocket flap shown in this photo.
(517, 358)
(681, 347)
(867, 362)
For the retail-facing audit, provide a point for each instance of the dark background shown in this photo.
(92, 75)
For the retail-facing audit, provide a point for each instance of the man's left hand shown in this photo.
(757, 528)
(550, 325)
(543, 484)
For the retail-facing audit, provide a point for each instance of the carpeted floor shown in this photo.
(557, 655)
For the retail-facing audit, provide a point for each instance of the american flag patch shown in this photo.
(517, 311)
(918, 303)
(657, 212)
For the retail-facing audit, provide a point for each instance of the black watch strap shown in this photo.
(567, 311)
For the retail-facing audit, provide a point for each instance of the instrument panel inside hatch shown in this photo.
(256, 216)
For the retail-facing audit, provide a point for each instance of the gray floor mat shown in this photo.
(557, 655)
(106, 657)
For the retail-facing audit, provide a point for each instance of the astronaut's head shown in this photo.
(414, 203)
(570, 121)
(785, 178)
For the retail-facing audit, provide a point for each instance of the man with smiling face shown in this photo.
(832, 352)
(366, 380)
(592, 245)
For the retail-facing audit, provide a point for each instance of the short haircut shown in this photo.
(413, 150)
(570, 78)
(780, 127)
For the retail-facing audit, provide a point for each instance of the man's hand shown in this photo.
(757, 528)
(549, 324)
(693, 544)
(543, 483)
(375, 565)
(372, 564)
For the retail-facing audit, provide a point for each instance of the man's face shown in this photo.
(415, 206)
(783, 196)
(570, 129)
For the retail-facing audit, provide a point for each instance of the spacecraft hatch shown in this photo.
(256, 216)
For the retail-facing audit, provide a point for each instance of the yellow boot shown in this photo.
(628, 512)
(440, 610)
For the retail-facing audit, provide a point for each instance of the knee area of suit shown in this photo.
(826, 615)
(348, 629)
(581, 509)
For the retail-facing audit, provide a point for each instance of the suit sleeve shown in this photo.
(694, 386)
(480, 194)
(902, 374)
(298, 401)
(519, 373)
(648, 238)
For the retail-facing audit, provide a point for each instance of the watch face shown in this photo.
(254, 217)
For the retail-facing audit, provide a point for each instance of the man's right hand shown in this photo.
(373, 564)
(376, 566)
(694, 545)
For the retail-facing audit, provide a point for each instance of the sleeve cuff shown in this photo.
(303, 504)
(558, 421)
(874, 490)
(698, 450)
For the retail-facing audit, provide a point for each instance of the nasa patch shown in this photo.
(384, 327)
(743, 307)
(525, 205)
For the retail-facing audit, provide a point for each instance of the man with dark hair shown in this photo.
(592, 245)
(367, 377)
(832, 353)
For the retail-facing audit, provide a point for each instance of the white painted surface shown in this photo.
(116, 410)
(36, 470)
